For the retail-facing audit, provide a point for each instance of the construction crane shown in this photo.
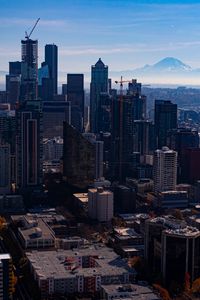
(27, 36)
(121, 81)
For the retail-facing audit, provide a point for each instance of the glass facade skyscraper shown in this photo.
(51, 59)
(99, 84)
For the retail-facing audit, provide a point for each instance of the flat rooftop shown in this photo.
(53, 263)
(37, 226)
(83, 197)
(130, 291)
(124, 233)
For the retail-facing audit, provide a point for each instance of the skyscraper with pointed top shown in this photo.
(99, 84)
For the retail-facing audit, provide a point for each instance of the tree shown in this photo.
(187, 282)
(163, 292)
(196, 286)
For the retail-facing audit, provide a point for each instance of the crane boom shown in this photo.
(27, 36)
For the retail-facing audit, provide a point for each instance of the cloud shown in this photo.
(128, 48)
(9, 22)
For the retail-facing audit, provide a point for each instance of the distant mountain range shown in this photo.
(169, 70)
(168, 64)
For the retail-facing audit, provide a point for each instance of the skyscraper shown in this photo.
(99, 84)
(54, 113)
(51, 59)
(122, 132)
(13, 89)
(15, 68)
(29, 145)
(29, 70)
(75, 95)
(5, 168)
(180, 140)
(165, 170)
(165, 119)
(7, 277)
(82, 157)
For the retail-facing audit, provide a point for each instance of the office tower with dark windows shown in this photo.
(5, 168)
(172, 249)
(82, 157)
(99, 84)
(15, 68)
(121, 160)
(141, 137)
(54, 113)
(104, 113)
(180, 140)
(13, 89)
(29, 70)
(75, 95)
(29, 145)
(165, 119)
(165, 170)
(13, 81)
(7, 287)
(45, 83)
(51, 60)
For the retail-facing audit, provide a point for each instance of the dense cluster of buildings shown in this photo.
(130, 170)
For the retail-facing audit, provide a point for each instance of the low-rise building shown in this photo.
(136, 221)
(70, 242)
(171, 199)
(34, 232)
(79, 270)
(127, 242)
(128, 292)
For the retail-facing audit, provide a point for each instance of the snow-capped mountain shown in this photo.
(168, 64)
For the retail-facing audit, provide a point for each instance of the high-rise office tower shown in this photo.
(104, 113)
(99, 84)
(15, 68)
(29, 145)
(7, 277)
(51, 59)
(5, 168)
(141, 136)
(122, 132)
(82, 157)
(165, 170)
(13, 89)
(45, 83)
(179, 140)
(75, 95)
(54, 113)
(165, 119)
(29, 70)
(13, 81)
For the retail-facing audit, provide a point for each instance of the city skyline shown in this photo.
(131, 33)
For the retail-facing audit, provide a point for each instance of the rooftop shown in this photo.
(57, 263)
(83, 197)
(130, 291)
(124, 233)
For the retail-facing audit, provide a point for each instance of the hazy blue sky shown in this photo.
(124, 33)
